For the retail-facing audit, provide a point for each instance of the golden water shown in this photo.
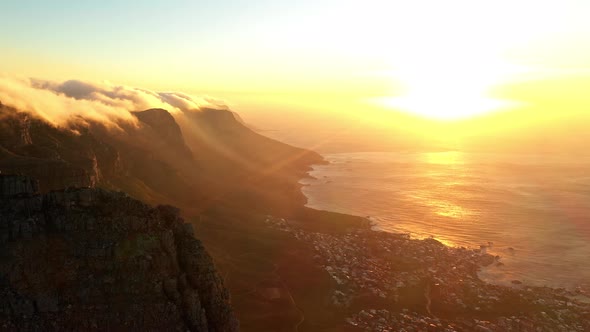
(534, 210)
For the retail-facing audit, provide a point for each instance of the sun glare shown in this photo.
(448, 72)
(454, 83)
(447, 90)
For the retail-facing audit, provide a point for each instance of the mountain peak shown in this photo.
(165, 128)
(154, 115)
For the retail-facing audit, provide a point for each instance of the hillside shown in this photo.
(90, 259)
(160, 159)
(199, 161)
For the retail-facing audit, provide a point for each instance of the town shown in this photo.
(391, 282)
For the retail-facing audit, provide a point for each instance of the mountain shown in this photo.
(80, 250)
(100, 248)
(60, 158)
(163, 158)
(94, 260)
(251, 170)
(165, 130)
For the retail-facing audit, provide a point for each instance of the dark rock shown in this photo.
(46, 303)
(14, 185)
(90, 259)
(57, 157)
(486, 260)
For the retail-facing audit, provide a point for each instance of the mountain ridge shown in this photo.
(234, 175)
(164, 158)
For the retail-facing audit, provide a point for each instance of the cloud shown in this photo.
(180, 100)
(62, 103)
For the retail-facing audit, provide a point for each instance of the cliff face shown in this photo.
(59, 158)
(90, 259)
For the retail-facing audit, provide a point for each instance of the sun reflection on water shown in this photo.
(444, 158)
(444, 241)
(454, 211)
(441, 206)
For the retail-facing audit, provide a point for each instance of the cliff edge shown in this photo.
(91, 259)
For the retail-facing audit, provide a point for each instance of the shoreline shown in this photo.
(384, 281)
(378, 280)
(520, 265)
(491, 274)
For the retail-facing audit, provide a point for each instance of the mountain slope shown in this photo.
(59, 157)
(231, 179)
(168, 136)
(251, 170)
(219, 132)
(90, 259)
(191, 160)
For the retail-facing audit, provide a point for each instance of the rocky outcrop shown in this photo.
(91, 259)
(169, 137)
(25, 125)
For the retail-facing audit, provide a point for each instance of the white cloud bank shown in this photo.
(61, 103)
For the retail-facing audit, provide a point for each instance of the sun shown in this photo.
(449, 67)
(446, 96)
(450, 87)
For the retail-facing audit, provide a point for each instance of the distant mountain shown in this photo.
(167, 134)
(189, 159)
(223, 133)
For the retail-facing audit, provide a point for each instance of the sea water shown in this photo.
(532, 210)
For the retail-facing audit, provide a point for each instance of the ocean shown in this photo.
(532, 210)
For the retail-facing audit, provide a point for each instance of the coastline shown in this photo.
(386, 281)
(532, 227)
(317, 270)
(484, 262)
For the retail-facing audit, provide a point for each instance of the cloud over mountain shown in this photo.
(74, 100)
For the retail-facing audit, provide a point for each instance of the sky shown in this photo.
(366, 62)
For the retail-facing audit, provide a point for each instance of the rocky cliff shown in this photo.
(91, 259)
